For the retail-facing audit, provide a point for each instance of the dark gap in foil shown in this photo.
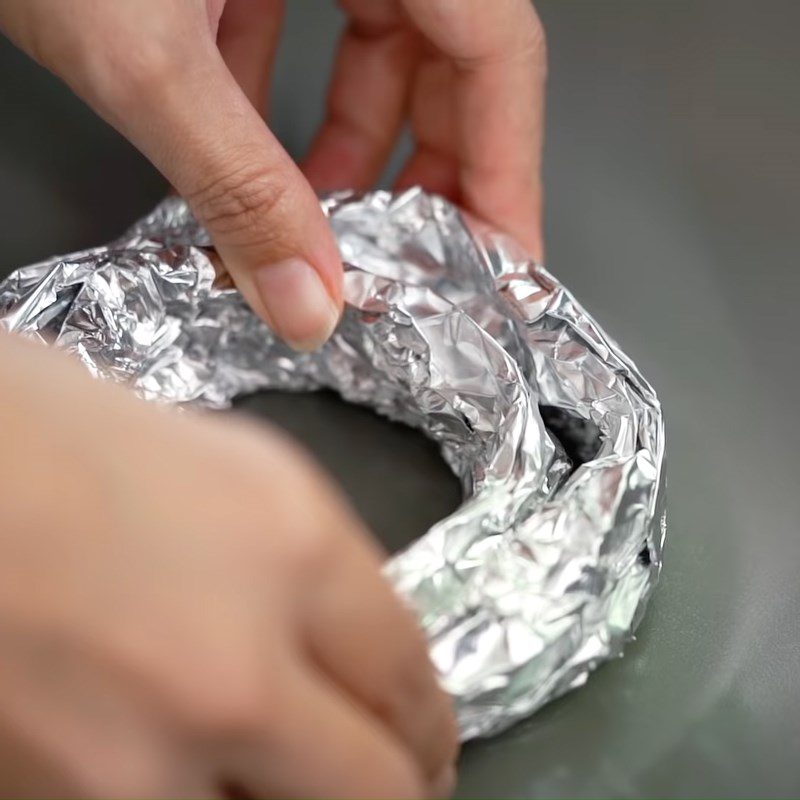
(51, 321)
(579, 437)
(644, 557)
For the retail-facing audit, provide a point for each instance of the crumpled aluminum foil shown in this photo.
(545, 569)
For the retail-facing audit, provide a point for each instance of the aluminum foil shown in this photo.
(545, 569)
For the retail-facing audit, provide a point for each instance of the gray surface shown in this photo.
(673, 183)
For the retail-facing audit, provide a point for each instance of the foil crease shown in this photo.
(545, 569)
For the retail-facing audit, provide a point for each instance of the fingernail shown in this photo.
(445, 783)
(299, 307)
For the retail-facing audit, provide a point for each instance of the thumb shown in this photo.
(194, 123)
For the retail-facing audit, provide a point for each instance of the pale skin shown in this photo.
(187, 606)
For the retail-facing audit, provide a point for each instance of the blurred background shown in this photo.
(672, 173)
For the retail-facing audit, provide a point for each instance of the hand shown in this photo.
(187, 609)
(182, 79)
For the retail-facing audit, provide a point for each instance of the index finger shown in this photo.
(497, 49)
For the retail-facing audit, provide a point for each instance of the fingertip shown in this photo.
(297, 302)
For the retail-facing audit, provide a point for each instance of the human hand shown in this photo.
(181, 78)
(188, 609)
(468, 77)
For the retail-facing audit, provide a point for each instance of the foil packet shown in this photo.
(545, 569)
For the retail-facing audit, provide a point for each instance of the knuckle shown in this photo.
(308, 519)
(112, 777)
(226, 710)
(310, 550)
(275, 481)
(416, 695)
(236, 204)
(126, 79)
(398, 777)
(526, 45)
(296, 502)
(222, 716)
(146, 66)
(536, 40)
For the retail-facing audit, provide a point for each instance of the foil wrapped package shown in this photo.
(544, 571)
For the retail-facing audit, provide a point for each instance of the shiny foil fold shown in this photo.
(544, 571)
